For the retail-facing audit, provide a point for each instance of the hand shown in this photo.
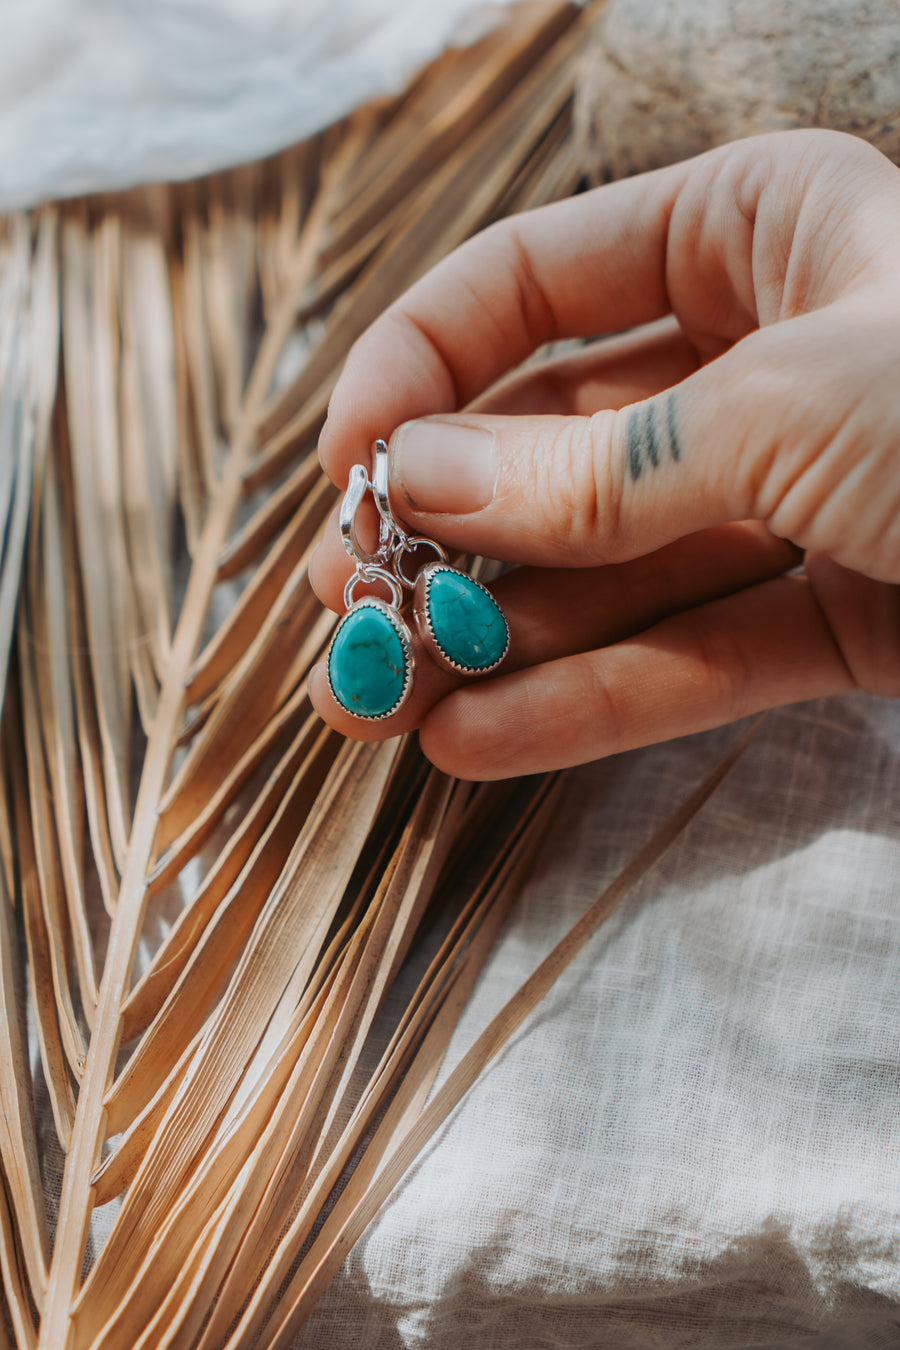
(657, 488)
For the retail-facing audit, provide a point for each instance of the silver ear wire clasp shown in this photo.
(370, 660)
(357, 488)
(459, 622)
(381, 492)
(405, 544)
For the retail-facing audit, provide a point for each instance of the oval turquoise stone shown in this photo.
(367, 665)
(466, 621)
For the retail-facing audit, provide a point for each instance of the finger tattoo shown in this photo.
(652, 435)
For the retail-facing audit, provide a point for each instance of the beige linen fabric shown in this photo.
(695, 1141)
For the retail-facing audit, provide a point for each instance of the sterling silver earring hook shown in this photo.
(357, 488)
(404, 544)
(370, 660)
(381, 491)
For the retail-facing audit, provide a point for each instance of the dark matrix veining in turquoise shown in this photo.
(369, 662)
(463, 619)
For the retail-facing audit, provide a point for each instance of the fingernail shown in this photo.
(444, 464)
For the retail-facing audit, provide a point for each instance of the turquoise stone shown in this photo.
(368, 667)
(466, 621)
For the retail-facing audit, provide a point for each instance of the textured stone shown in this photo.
(466, 622)
(665, 79)
(368, 668)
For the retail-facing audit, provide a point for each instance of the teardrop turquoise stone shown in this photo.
(367, 665)
(467, 623)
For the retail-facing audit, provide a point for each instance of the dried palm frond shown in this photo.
(214, 892)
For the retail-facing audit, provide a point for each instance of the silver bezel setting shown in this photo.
(426, 630)
(371, 602)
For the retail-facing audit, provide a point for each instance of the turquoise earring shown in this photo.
(460, 623)
(370, 661)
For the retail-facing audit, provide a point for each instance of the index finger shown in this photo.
(680, 240)
(590, 264)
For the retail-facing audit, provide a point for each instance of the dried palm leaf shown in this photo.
(215, 892)
(18, 1138)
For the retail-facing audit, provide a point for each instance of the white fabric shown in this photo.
(102, 94)
(695, 1142)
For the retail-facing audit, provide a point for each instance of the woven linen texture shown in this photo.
(695, 1140)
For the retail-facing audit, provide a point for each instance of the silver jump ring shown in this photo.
(368, 576)
(409, 545)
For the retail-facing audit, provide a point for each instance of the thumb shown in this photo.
(577, 491)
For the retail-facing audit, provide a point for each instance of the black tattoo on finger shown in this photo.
(651, 436)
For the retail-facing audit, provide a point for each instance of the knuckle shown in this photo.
(862, 616)
(576, 477)
(537, 312)
(873, 658)
(611, 707)
(873, 675)
(798, 488)
(726, 665)
(606, 459)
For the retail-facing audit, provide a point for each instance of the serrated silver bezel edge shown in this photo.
(431, 570)
(371, 602)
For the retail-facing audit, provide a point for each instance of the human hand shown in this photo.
(657, 487)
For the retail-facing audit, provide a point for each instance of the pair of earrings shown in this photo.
(370, 660)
